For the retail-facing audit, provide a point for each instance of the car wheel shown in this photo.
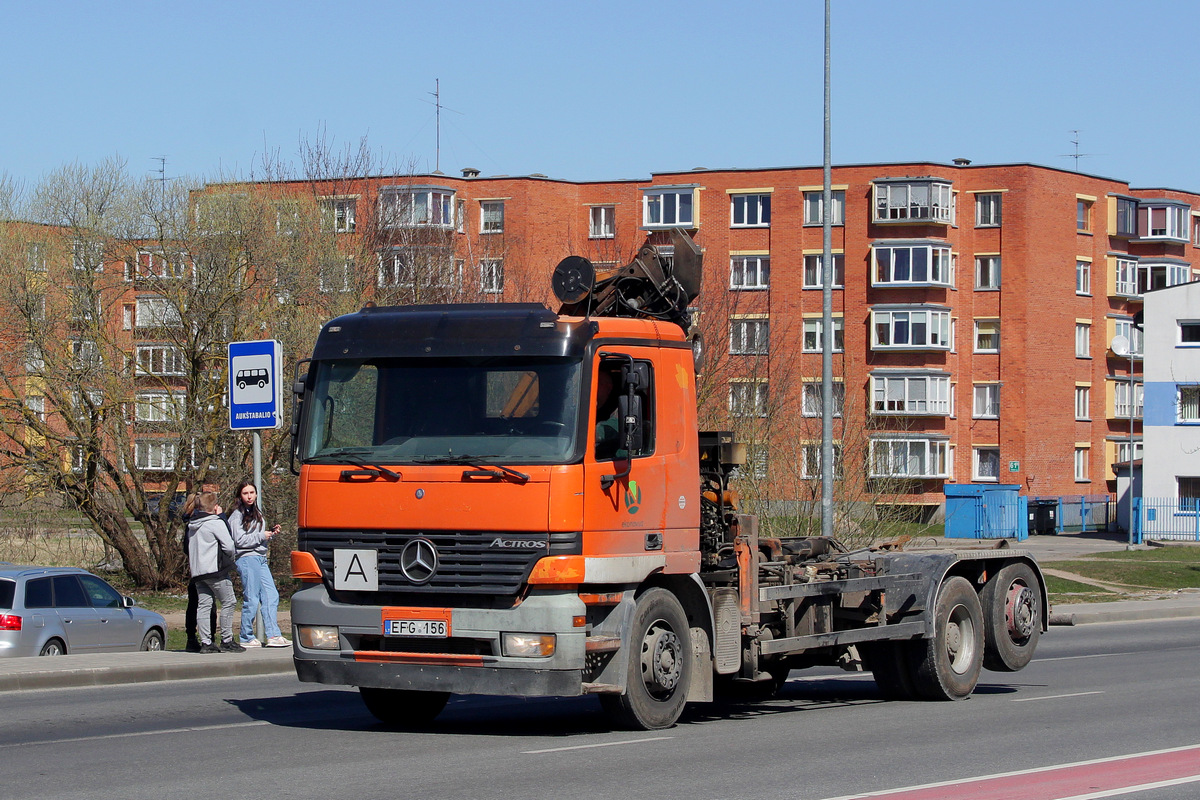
(54, 647)
(153, 640)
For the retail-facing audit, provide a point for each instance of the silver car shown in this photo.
(52, 611)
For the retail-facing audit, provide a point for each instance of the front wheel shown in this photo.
(660, 666)
(403, 707)
(1012, 618)
(948, 665)
(153, 640)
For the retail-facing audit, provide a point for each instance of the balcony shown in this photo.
(909, 201)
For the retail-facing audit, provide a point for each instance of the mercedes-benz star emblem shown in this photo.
(419, 560)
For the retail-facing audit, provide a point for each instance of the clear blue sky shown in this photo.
(601, 91)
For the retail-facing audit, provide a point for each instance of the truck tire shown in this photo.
(891, 664)
(402, 707)
(660, 666)
(1012, 618)
(948, 665)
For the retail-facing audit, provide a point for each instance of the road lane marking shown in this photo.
(158, 732)
(1145, 787)
(599, 744)
(1052, 697)
(926, 789)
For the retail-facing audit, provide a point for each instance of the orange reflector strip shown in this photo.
(427, 659)
(602, 599)
(558, 570)
(305, 567)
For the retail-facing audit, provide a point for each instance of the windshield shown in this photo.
(414, 410)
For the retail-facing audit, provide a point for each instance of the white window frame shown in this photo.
(669, 207)
(934, 321)
(896, 201)
(1127, 217)
(491, 216)
(749, 272)
(1082, 457)
(1174, 223)
(894, 270)
(985, 330)
(1193, 327)
(810, 403)
(156, 312)
(491, 275)
(749, 337)
(813, 201)
(1160, 275)
(982, 459)
(417, 207)
(910, 457)
(335, 276)
(85, 353)
(1083, 277)
(602, 222)
(1135, 337)
(988, 207)
(750, 210)
(985, 401)
(810, 460)
(1187, 404)
(1126, 276)
(159, 406)
(1083, 403)
(987, 273)
(155, 455)
(1083, 340)
(748, 398)
(912, 394)
(814, 273)
(1121, 398)
(340, 214)
(1083, 215)
(812, 339)
(164, 360)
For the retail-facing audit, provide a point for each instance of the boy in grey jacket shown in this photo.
(211, 556)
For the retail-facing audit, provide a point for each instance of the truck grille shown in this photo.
(469, 562)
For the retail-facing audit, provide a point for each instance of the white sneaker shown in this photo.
(277, 641)
(251, 643)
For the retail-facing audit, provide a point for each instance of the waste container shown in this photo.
(1043, 516)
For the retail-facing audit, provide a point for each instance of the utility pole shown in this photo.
(827, 315)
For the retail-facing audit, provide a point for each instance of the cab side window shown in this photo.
(613, 401)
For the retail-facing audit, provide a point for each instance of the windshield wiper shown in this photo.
(482, 467)
(350, 455)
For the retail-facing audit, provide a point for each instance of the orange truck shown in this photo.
(502, 499)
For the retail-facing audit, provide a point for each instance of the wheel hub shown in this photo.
(1020, 611)
(662, 662)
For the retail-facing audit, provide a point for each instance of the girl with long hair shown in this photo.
(251, 535)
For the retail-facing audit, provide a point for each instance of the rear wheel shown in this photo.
(403, 707)
(1012, 618)
(948, 665)
(153, 640)
(54, 647)
(891, 664)
(660, 666)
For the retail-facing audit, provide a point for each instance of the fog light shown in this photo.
(318, 637)
(529, 645)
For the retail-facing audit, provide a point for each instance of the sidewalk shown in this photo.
(116, 668)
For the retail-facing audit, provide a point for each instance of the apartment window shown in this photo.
(748, 399)
(34, 361)
(1163, 222)
(416, 206)
(1126, 217)
(1127, 276)
(1083, 403)
(338, 214)
(1083, 215)
(36, 404)
(907, 264)
(987, 210)
(601, 222)
(814, 342)
(667, 208)
(910, 329)
(395, 268)
(335, 275)
(910, 394)
(1188, 403)
(162, 360)
(1162, 275)
(756, 465)
(917, 201)
(1081, 464)
(158, 265)
(127, 317)
(407, 266)
(1135, 337)
(491, 216)
(1083, 277)
(987, 336)
(156, 312)
(814, 275)
(87, 256)
(491, 275)
(1121, 392)
(1189, 333)
(810, 460)
(154, 454)
(158, 406)
(1196, 231)
(1123, 451)
(1083, 340)
(813, 201)
(35, 257)
(985, 464)
(749, 337)
(987, 401)
(987, 272)
(1187, 489)
(749, 272)
(750, 210)
(910, 458)
(811, 401)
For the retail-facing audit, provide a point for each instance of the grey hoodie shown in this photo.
(250, 538)
(207, 535)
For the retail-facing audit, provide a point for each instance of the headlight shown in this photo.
(529, 645)
(318, 637)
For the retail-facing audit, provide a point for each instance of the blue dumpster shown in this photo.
(986, 511)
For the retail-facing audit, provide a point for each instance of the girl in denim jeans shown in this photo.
(251, 535)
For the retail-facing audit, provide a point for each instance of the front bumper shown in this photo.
(469, 662)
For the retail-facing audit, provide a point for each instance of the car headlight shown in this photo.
(318, 637)
(529, 645)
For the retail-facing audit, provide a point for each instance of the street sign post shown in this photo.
(255, 388)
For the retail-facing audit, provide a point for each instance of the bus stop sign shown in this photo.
(255, 391)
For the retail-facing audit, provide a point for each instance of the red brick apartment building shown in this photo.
(974, 304)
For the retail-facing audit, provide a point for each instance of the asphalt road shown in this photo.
(1094, 692)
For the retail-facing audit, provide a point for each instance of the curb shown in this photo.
(138, 668)
(1075, 617)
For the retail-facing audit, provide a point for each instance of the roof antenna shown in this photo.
(1076, 155)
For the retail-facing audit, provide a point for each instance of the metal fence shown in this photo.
(1078, 513)
(1168, 518)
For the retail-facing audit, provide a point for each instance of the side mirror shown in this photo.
(128, 602)
(631, 424)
